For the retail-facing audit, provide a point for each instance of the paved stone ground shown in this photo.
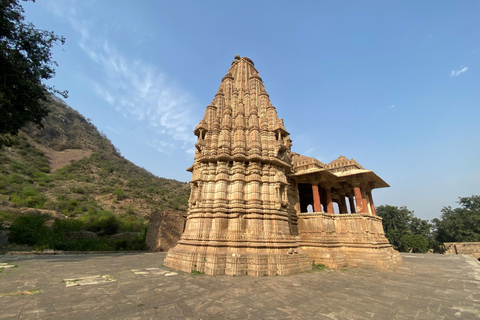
(136, 286)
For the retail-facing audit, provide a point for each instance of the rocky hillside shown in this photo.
(70, 169)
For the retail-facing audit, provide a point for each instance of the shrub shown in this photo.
(120, 194)
(30, 230)
(138, 243)
(18, 167)
(6, 218)
(152, 190)
(130, 245)
(132, 183)
(131, 223)
(105, 190)
(42, 178)
(103, 222)
(28, 197)
(129, 210)
(67, 225)
(77, 189)
(83, 244)
(45, 169)
(15, 178)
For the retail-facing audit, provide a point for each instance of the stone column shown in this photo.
(358, 198)
(372, 205)
(343, 204)
(367, 201)
(366, 207)
(316, 198)
(328, 196)
(352, 203)
(296, 194)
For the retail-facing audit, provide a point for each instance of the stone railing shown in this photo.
(357, 227)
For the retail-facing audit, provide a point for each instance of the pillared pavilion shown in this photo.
(256, 208)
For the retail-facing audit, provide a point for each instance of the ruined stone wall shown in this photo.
(165, 229)
(471, 248)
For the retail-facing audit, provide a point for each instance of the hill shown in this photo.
(69, 169)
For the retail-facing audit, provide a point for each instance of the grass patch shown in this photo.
(196, 272)
(319, 267)
(21, 293)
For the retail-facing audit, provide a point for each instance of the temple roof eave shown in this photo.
(365, 175)
(323, 175)
(313, 174)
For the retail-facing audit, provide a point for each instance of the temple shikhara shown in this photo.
(256, 208)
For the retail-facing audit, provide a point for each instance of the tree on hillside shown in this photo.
(26, 61)
(460, 224)
(404, 230)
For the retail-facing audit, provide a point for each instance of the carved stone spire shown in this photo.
(238, 220)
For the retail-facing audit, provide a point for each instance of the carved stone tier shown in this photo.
(353, 240)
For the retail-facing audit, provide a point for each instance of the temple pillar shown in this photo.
(329, 202)
(343, 204)
(367, 201)
(358, 198)
(316, 198)
(366, 206)
(372, 205)
(351, 203)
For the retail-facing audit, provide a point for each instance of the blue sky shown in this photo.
(394, 85)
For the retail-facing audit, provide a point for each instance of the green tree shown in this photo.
(399, 222)
(414, 243)
(459, 224)
(26, 60)
(395, 222)
(30, 230)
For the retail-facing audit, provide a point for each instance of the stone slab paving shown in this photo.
(426, 287)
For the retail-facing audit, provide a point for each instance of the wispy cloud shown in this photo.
(456, 73)
(137, 89)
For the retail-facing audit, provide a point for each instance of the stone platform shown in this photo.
(136, 286)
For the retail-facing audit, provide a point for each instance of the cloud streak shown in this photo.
(456, 73)
(137, 89)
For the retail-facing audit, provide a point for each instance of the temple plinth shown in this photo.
(248, 207)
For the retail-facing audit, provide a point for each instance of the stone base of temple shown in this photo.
(374, 257)
(346, 240)
(236, 261)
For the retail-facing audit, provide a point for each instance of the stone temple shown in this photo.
(256, 208)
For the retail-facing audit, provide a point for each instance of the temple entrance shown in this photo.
(306, 197)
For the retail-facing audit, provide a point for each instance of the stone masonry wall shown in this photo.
(347, 240)
(471, 248)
